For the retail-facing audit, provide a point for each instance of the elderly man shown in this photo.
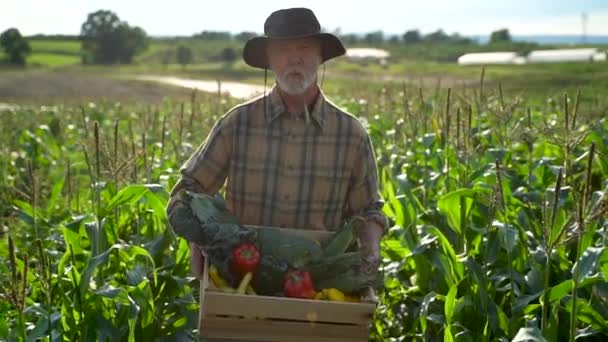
(290, 158)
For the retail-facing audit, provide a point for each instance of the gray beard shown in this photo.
(295, 86)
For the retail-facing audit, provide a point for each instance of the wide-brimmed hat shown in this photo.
(291, 23)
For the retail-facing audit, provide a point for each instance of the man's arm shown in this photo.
(204, 172)
(206, 169)
(364, 200)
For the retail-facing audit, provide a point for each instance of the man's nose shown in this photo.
(294, 59)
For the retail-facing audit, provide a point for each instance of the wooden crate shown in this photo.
(234, 317)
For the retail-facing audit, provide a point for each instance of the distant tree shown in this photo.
(228, 55)
(500, 36)
(350, 38)
(458, 39)
(184, 55)
(437, 37)
(15, 46)
(166, 57)
(394, 39)
(213, 35)
(411, 37)
(106, 39)
(245, 36)
(374, 37)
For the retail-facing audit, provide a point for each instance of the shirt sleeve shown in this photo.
(207, 168)
(364, 197)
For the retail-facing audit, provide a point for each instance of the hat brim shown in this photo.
(255, 54)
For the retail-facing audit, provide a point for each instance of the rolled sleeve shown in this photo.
(364, 197)
(207, 168)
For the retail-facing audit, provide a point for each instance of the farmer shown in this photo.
(289, 158)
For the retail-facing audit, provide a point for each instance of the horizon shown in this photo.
(187, 17)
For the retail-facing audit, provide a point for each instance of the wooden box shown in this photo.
(232, 317)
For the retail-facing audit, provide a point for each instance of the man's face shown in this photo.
(295, 63)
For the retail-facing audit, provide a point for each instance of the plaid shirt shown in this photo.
(285, 171)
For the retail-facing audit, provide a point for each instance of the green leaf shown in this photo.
(503, 320)
(561, 222)
(450, 205)
(118, 294)
(587, 314)
(587, 265)
(133, 251)
(92, 264)
(97, 236)
(529, 334)
(522, 302)
(180, 322)
(340, 242)
(3, 328)
(450, 303)
(559, 291)
(128, 195)
(457, 268)
(394, 249)
(447, 336)
(604, 265)
(41, 329)
(509, 236)
(55, 194)
(424, 309)
(142, 295)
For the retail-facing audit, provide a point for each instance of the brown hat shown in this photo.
(290, 23)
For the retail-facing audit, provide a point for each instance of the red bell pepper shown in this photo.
(245, 259)
(298, 284)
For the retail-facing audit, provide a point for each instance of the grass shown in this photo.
(51, 60)
(58, 47)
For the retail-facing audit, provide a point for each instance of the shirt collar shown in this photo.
(275, 107)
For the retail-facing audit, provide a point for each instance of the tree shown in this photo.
(245, 36)
(213, 35)
(106, 39)
(411, 37)
(15, 46)
(166, 57)
(374, 37)
(184, 55)
(500, 36)
(350, 38)
(228, 55)
(437, 37)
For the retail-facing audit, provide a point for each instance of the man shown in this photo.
(290, 158)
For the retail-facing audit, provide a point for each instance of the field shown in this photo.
(496, 185)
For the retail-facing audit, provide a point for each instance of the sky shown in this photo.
(186, 17)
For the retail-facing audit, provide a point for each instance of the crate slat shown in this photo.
(242, 329)
(220, 303)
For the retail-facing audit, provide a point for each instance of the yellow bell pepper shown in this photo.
(335, 295)
(217, 280)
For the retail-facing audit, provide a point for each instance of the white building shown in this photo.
(566, 55)
(490, 58)
(368, 55)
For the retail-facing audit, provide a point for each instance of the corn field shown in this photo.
(498, 206)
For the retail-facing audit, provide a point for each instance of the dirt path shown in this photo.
(235, 89)
(52, 87)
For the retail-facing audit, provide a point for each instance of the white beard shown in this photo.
(296, 80)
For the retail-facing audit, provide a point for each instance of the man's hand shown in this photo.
(370, 238)
(197, 260)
